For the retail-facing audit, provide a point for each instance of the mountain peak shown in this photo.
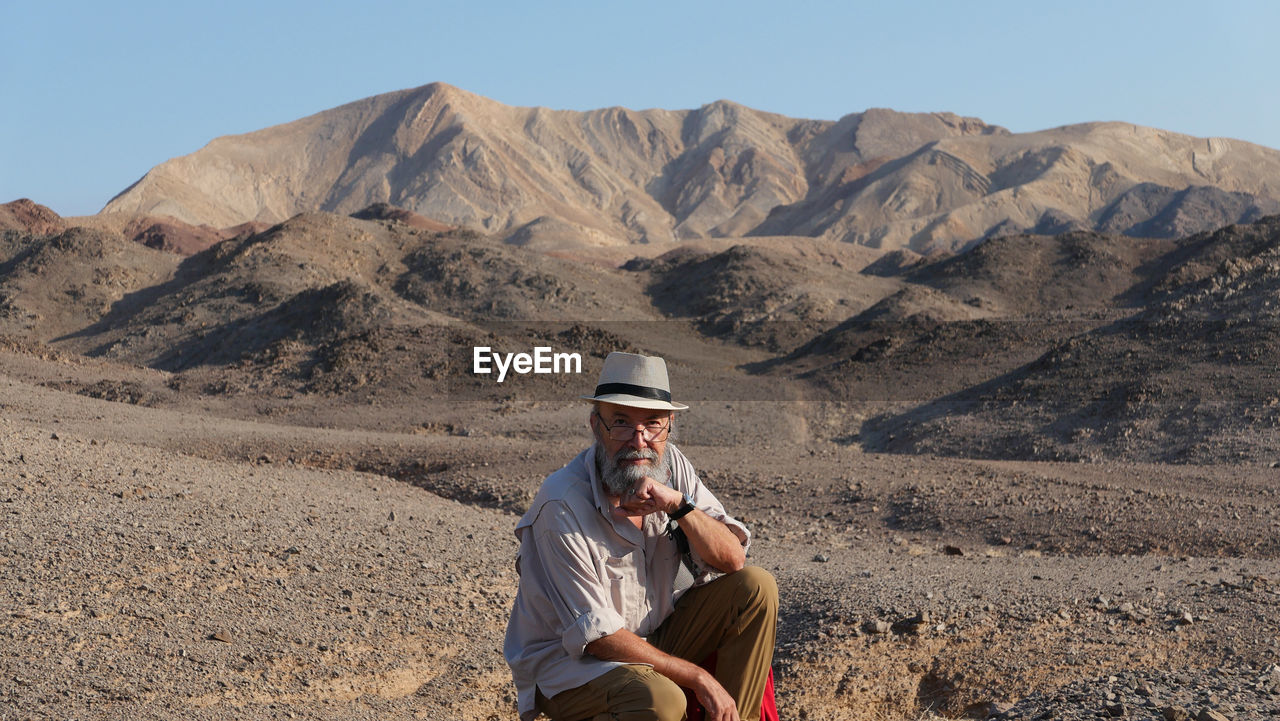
(29, 216)
(925, 181)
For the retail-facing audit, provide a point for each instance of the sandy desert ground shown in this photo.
(196, 563)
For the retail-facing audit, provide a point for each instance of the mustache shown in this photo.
(635, 455)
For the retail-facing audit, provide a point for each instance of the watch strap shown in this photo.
(685, 509)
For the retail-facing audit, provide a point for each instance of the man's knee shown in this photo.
(650, 696)
(759, 585)
(668, 700)
(646, 695)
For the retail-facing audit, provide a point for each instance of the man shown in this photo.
(612, 618)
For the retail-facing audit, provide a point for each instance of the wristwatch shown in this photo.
(685, 508)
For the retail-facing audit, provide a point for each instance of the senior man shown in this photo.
(632, 575)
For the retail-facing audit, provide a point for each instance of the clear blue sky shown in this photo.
(95, 93)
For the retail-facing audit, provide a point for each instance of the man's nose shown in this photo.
(637, 439)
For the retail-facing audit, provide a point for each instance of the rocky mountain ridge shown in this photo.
(553, 179)
(1078, 346)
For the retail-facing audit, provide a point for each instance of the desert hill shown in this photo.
(51, 285)
(1182, 370)
(25, 215)
(159, 232)
(757, 295)
(962, 320)
(552, 179)
(318, 304)
(1078, 346)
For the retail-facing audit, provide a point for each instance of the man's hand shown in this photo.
(710, 539)
(648, 496)
(717, 704)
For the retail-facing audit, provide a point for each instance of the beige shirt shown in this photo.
(585, 575)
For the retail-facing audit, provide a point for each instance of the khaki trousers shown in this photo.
(734, 616)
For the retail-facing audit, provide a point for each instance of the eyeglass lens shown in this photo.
(651, 430)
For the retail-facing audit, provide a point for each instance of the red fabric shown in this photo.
(768, 707)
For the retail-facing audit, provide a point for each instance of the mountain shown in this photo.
(26, 217)
(1170, 357)
(320, 303)
(1077, 346)
(553, 179)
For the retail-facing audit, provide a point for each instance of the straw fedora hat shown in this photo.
(639, 381)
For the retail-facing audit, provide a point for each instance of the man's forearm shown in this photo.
(713, 542)
(627, 647)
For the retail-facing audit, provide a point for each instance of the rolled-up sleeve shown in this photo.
(575, 591)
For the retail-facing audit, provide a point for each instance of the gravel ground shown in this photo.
(166, 564)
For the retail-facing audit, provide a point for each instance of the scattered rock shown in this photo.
(913, 624)
(998, 709)
(877, 627)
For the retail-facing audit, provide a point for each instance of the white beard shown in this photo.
(617, 479)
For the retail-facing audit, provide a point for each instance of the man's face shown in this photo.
(624, 462)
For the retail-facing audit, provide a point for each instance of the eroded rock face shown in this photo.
(28, 216)
(386, 211)
(558, 179)
(174, 236)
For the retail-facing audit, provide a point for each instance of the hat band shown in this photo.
(656, 394)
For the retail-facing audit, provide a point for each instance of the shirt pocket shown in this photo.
(619, 576)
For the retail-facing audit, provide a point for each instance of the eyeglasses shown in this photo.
(651, 431)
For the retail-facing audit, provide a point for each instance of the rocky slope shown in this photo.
(1081, 346)
(320, 304)
(1179, 369)
(27, 216)
(560, 179)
